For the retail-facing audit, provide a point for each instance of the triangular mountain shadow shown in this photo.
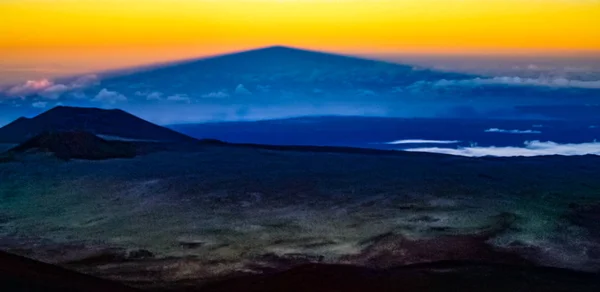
(278, 56)
(272, 69)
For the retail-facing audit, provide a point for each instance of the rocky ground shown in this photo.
(168, 218)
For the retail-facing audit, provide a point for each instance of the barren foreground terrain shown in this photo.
(194, 216)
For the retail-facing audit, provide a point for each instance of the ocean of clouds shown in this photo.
(530, 148)
(422, 141)
(496, 130)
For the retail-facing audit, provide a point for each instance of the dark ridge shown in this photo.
(325, 149)
(438, 276)
(97, 121)
(334, 149)
(77, 145)
(20, 120)
(22, 274)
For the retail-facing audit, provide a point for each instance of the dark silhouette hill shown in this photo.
(437, 276)
(114, 123)
(23, 274)
(77, 145)
(70, 132)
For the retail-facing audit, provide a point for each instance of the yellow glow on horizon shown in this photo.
(131, 31)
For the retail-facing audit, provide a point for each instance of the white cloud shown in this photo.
(496, 130)
(513, 81)
(154, 96)
(29, 87)
(550, 82)
(179, 97)
(216, 94)
(54, 91)
(39, 104)
(421, 141)
(48, 89)
(85, 81)
(241, 90)
(531, 148)
(107, 96)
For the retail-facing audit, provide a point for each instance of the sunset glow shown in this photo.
(117, 33)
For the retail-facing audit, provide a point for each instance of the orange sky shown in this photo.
(89, 35)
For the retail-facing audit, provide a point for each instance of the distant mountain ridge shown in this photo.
(93, 133)
(113, 123)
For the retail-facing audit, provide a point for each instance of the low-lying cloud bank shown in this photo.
(496, 130)
(531, 148)
(47, 88)
(39, 104)
(515, 81)
(110, 97)
(421, 141)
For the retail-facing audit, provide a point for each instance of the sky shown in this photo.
(45, 38)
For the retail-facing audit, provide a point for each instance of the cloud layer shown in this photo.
(179, 98)
(216, 94)
(110, 97)
(242, 90)
(496, 130)
(39, 104)
(421, 141)
(29, 87)
(47, 88)
(512, 81)
(531, 148)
